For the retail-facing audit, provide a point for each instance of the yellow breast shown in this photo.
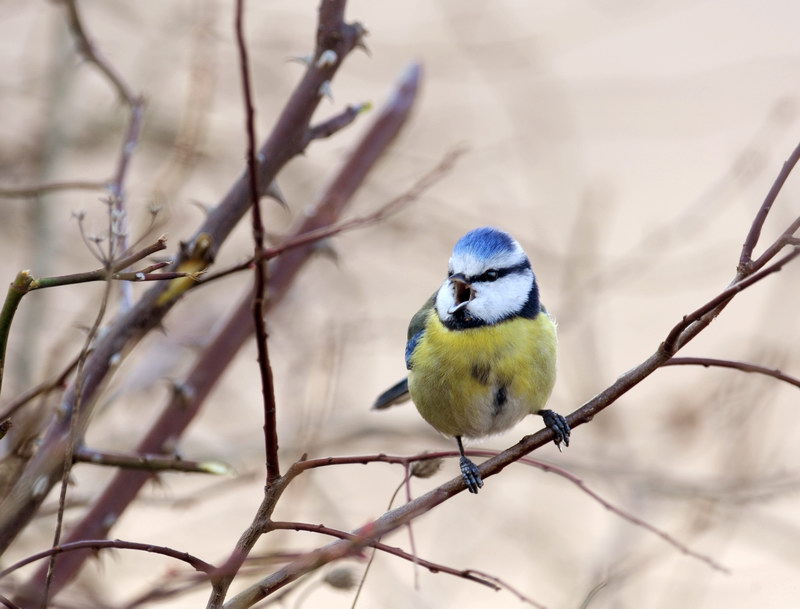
(480, 381)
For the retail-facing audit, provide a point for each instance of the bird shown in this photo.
(481, 352)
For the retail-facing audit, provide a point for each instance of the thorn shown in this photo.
(361, 33)
(325, 248)
(204, 207)
(302, 59)
(274, 192)
(327, 58)
(363, 46)
(325, 90)
(217, 468)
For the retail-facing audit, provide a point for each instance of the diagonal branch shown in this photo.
(189, 396)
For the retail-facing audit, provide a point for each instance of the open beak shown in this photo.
(462, 291)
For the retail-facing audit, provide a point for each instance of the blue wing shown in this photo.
(411, 345)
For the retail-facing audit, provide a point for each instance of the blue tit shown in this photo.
(481, 353)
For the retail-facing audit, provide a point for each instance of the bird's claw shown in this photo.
(558, 425)
(471, 475)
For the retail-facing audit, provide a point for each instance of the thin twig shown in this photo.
(73, 436)
(100, 544)
(675, 340)
(307, 464)
(724, 363)
(635, 520)
(360, 541)
(260, 266)
(336, 123)
(41, 388)
(745, 258)
(118, 233)
(29, 192)
(149, 463)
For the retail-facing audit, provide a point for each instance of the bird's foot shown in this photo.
(471, 475)
(558, 425)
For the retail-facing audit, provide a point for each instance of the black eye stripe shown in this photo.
(501, 272)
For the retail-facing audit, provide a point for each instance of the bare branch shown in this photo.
(149, 463)
(361, 542)
(336, 123)
(8, 603)
(45, 387)
(189, 396)
(30, 192)
(442, 169)
(745, 258)
(260, 265)
(100, 544)
(675, 340)
(724, 363)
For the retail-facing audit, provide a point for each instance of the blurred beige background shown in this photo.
(626, 145)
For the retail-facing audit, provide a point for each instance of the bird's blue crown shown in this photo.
(484, 243)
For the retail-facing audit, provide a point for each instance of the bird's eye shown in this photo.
(491, 275)
(449, 273)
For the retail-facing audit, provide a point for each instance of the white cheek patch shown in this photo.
(499, 299)
(445, 299)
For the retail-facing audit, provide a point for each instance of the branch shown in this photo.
(8, 603)
(306, 464)
(396, 518)
(745, 258)
(635, 520)
(28, 192)
(260, 266)
(336, 123)
(361, 542)
(384, 129)
(442, 169)
(45, 387)
(149, 463)
(118, 221)
(675, 340)
(724, 363)
(100, 544)
(189, 396)
(18, 288)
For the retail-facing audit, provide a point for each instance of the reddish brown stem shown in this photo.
(260, 265)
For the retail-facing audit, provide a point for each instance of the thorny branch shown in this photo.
(189, 395)
(391, 207)
(149, 463)
(285, 141)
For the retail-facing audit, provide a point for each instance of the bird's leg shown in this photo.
(469, 471)
(558, 425)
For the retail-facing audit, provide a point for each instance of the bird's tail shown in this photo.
(396, 394)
